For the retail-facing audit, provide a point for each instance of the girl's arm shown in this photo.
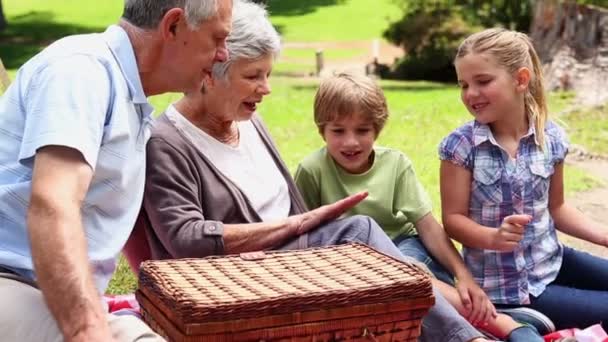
(569, 219)
(455, 186)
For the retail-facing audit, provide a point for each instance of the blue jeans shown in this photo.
(442, 323)
(412, 247)
(578, 297)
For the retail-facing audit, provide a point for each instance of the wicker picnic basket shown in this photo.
(348, 292)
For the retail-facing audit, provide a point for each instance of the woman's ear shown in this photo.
(522, 79)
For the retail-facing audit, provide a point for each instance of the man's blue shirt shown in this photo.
(82, 92)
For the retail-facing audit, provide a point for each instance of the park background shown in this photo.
(351, 33)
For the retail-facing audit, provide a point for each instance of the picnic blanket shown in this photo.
(122, 305)
(594, 333)
(127, 305)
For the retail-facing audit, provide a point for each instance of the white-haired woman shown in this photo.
(217, 185)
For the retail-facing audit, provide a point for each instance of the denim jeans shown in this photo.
(412, 246)
(578, 297)
(442, 323)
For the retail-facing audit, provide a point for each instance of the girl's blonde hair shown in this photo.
(344, 94)
(514, 50)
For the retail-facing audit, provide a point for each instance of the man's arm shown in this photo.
(61, 178)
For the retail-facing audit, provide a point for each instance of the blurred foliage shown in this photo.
(431, 30)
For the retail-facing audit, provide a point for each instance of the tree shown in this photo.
(2, 18)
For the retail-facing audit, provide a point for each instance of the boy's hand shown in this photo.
(304, 222)
(510, 233)
(479, 309)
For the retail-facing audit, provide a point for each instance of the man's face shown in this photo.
(197, 49)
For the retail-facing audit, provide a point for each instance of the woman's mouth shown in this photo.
(252, 106)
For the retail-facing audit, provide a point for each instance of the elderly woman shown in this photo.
(217, 185)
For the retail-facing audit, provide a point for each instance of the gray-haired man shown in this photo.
(73, 129)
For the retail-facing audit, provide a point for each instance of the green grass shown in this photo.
(589, 128)
(422, 113)
(329, 54)
(332, 20)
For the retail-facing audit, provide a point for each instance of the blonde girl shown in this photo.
(502, 188)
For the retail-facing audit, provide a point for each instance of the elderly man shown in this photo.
(73, 129)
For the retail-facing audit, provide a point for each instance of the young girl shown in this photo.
(502, 188)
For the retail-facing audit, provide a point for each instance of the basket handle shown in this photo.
(252, 256)
(370, 335)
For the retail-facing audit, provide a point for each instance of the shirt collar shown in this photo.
(118, 41)
(482, 133)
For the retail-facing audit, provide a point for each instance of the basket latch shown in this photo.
(252, 256)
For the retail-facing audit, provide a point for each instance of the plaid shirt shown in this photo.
(500, 187)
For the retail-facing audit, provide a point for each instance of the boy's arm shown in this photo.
(439, 245)
(569, 219)
(308, 185)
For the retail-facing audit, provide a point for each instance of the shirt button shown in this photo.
(212, 228)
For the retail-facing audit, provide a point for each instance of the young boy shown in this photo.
(350, 112)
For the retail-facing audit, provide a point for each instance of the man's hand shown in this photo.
(304, 222)
(479, 309)
(511, 232)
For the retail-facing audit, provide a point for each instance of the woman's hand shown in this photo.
(479, 309)
(510, 233)
(302, 223)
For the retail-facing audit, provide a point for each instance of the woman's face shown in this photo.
(245, 85)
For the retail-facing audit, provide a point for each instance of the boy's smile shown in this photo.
(350, 142)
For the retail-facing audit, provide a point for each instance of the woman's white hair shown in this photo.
(147, 14)
(252, 36)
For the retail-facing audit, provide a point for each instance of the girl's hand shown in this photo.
(510, 233)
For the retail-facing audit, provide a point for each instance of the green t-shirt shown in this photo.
(396, 198)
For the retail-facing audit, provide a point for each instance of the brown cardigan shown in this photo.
(187, 199)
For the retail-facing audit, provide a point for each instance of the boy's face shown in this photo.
(350, 142)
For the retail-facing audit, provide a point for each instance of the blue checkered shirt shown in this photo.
(502, 186)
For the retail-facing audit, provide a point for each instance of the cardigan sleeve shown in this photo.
(174, 207)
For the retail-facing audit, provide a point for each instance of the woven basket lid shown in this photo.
(256, 284)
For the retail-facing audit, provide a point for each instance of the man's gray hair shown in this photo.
(147, 14)
(252, 36)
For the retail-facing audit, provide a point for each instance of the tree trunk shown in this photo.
(572, 42)
(2, 18)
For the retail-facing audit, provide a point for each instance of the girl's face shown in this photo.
(488, 90)
(350, 142)
(246, 84)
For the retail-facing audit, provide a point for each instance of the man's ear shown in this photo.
(170, 23)
(522, 79)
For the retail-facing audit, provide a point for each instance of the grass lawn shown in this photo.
(422, 113)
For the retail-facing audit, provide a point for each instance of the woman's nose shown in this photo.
(265, 88)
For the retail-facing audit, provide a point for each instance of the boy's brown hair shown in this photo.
(345, 94)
